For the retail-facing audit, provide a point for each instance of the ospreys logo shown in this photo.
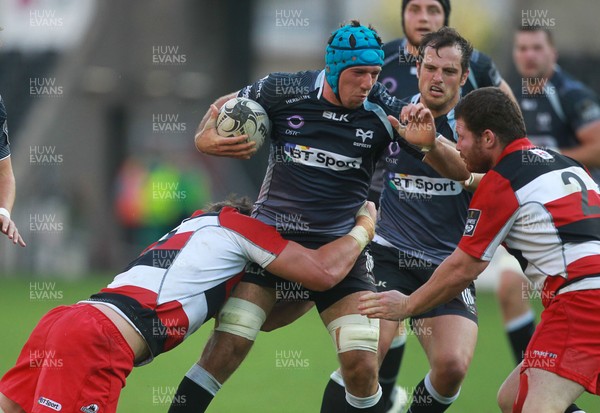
(90, 408)
(472, 220)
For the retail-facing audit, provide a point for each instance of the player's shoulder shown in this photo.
(565, 83)
(232, 219)
(279, 85)
(392, 49)
(479, 60)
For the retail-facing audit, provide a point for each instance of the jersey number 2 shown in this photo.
(587, 208)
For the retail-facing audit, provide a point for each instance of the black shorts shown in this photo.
(360, 278)
(395, 270)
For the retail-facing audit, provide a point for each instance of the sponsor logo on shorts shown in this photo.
(90, 408)
(50, 404)
(472, 220)
(319, 158)
(424, 185)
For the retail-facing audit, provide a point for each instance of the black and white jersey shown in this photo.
(399, 71)
(322, 156)
(416, 196)
(553, 116)
(4, 142)
(399, 76)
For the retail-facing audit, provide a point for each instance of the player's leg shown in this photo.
(356, 340)
(517, 314)
(544, 391)
(239, 322)
(390, 368)
(284, 313)
(335, 392)
(449, 342)
(508, 391)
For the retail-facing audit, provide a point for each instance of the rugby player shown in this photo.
(7, 183)
(562, 114)
(421, 219)
(78, 357)
(399, 75)
(328, 129)
(545, 207)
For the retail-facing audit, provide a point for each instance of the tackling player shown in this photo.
(562, 114)
(328, 129)
(421, 219)
(545, 207)
(7, 183)
(162, 297)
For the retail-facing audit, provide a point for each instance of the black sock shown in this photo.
(195, 392)
(334, 397)
(520, 334)
(424, 402)
(388, 372)
(573, 408)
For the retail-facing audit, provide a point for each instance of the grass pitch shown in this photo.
(286, 370)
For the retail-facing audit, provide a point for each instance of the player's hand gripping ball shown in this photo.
(241, 116)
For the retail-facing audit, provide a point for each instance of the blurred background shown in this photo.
(103, 99)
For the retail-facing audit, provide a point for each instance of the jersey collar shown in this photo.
(516, 145)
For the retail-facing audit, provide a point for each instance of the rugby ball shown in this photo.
(241, 116)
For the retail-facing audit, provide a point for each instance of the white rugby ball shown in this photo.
(241, 116)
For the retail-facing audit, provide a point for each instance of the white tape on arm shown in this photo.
(4, 211)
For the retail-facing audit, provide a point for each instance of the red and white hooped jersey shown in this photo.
(180, 281)
(545, 208)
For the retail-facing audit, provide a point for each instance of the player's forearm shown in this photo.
(7, 185)
(446, 160)
(449, 279)
(589, 155)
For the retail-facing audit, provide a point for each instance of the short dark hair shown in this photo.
(446, 37)
(491, 108)
(241, 203)
(549, 35)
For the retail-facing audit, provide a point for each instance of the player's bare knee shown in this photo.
(360, 370)
(450, 369)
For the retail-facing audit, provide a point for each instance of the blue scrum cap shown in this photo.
(351, 45)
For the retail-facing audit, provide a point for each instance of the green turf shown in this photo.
(285, 372)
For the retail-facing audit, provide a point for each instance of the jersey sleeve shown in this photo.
(490, 216)
(278, 86)
(484, 70)
(258, 242)
(581, 107)
(4, 142)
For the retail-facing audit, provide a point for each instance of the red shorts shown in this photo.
(567, 340)
(75, 360)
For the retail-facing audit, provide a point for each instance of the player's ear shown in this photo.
(489, 138)
(464, 77)
(418, 68)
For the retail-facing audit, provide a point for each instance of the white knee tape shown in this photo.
(354, 332)
(241, 317)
